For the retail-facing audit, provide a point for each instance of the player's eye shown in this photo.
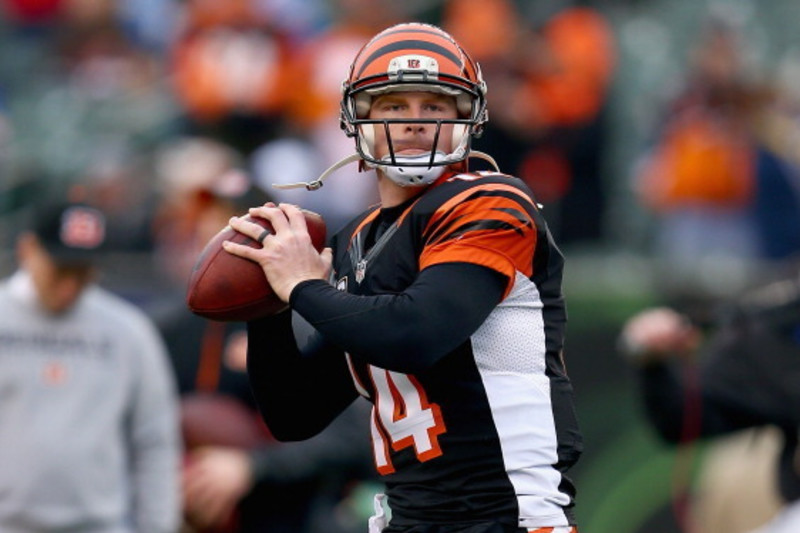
(439, 107)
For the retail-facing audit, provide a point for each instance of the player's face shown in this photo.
(57, 286)
(413, 138)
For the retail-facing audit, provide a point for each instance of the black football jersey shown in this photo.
(489, 430)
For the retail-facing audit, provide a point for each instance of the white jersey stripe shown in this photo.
(512, 368)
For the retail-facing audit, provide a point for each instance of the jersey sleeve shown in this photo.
(490, 224)
(406, 332)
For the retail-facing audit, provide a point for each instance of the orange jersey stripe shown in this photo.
(487, 225)
(367, 219)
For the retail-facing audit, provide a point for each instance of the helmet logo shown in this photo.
(413, 68)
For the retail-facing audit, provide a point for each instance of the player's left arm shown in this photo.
(492, 224)
(475, 244)
(410, 331)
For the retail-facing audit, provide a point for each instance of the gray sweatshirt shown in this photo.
(89, 439)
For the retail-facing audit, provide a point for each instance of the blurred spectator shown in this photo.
(236, 478)
(722, 196)
(313, 113)
(118, 179)
(89, 415)
(230, 71)
(26, 12)
(149, 23)
(745, 376)
(735, 488)
(75, 85)
(191, 173)
(549, 65)
(316, 88)
(7, 179)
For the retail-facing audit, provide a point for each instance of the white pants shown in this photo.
(379, 520)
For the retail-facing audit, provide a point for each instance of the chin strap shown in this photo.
(318, 183)
(486, 157)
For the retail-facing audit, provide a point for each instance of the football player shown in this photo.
(442, 306)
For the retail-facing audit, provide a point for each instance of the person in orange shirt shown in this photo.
(550, 71)
(230, 70)
(723, 199)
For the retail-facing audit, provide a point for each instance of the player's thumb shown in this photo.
(327, 256)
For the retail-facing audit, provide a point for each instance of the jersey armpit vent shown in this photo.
(518, 321)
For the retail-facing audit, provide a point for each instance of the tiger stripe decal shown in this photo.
(521, 218)
(409, 45)
(420, 39)
(490, 225)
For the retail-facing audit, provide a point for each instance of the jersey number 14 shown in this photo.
(402, 417)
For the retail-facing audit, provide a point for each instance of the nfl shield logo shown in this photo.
(361, 269)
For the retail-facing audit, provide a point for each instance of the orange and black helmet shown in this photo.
(414, 57)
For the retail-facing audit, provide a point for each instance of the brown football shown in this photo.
(214, 419)
(229, 288)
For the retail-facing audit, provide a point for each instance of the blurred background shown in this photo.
(661, 137)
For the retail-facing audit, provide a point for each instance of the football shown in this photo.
(229, 288)
(212, 419)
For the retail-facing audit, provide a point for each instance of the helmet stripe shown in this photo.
(407, 28)
(411, 44)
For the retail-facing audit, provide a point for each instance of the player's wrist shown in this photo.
(294, 293)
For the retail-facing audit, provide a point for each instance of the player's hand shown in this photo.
(287, 256)
(658, 334)
(214, 480)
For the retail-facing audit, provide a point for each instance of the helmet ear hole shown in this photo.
(464, 104)
(460, 137)
(366, 139)
(362, 102)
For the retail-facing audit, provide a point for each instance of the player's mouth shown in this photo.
(412, 149)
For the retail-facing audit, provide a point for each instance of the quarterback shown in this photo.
(442, 306)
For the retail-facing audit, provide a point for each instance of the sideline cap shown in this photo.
(73, 233)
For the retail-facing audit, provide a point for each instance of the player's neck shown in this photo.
(391, 194)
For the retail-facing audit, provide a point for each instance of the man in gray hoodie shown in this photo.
(88, 429)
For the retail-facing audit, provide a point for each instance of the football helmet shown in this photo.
(413, 57)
